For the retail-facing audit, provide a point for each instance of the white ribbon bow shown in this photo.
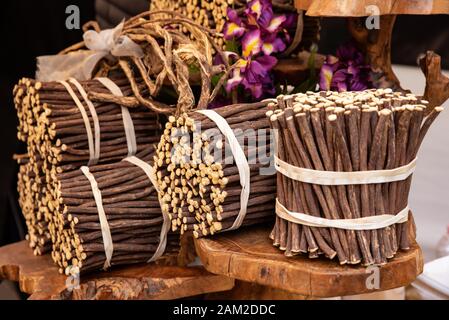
(80, 64)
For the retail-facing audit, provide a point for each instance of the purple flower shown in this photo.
(257, 75)
(275, 23)
(326, 77)
(349, 52)
(259, 33)
(259, 12)
(290, 20)
(273, 44)
(346, 71)
(251, 43)
(233, 28)
(254, 75)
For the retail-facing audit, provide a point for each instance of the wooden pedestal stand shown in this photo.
(248, 255)
(39, 277)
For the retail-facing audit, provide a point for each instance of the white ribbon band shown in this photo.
(93, 113)
(105, 230)
(80, 64)
(333, 178)
(365, 223)
(86, 120)
(149, 171)
(127, 120)
(240, 160)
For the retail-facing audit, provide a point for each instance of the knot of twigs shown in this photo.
(172, 58)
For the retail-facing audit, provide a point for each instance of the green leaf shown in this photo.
(214, 80)
(312, 60)
(193, 68)
(232, 45)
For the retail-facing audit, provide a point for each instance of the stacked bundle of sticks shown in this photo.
(57, 142)
(30, 195)
(31, 177)
(198, 178)
(350, 131)
(133, 213)
(62, 134)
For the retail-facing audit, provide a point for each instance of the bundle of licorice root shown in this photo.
(346, 132)
(57, 132)
(132, 210)
(30, 196)
(199, 180)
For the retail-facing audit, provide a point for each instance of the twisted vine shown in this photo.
(168, 56)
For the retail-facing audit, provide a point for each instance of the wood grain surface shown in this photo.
(358, 8)
(248, 255)
(39, 277)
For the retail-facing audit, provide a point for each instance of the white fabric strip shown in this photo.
(366, 223)
(81, 63)
(333, 178)
(95, 120)
(83, 112)
(240, 160)
(149, 171)
(105, 231)
(127, 120)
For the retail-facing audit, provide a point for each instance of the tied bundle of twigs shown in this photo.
(57, 142)
(132, 209)
(30, 180)
(350, 131)
(171, 60)
(198, 178)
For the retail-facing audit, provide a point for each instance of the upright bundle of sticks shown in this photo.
(350, 131)
(198, 176)
(132, 209)
(57, 142)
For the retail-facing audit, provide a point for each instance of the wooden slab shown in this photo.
(248, 255)
(358, 8)
(39, 277)
(252, 291)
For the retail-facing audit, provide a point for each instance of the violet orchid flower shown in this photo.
(259, 12)
(273, 44)
(254, 75)
(234, 27)
(260, 33)
(345, 72)
(251, 43)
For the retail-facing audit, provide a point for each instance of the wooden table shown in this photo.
(39, 277)
(249, 255)
(261, 272)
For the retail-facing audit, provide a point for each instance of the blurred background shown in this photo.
(34, 28)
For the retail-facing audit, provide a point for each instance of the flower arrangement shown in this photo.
(256, 35)
(251, 40)
(347, 71)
